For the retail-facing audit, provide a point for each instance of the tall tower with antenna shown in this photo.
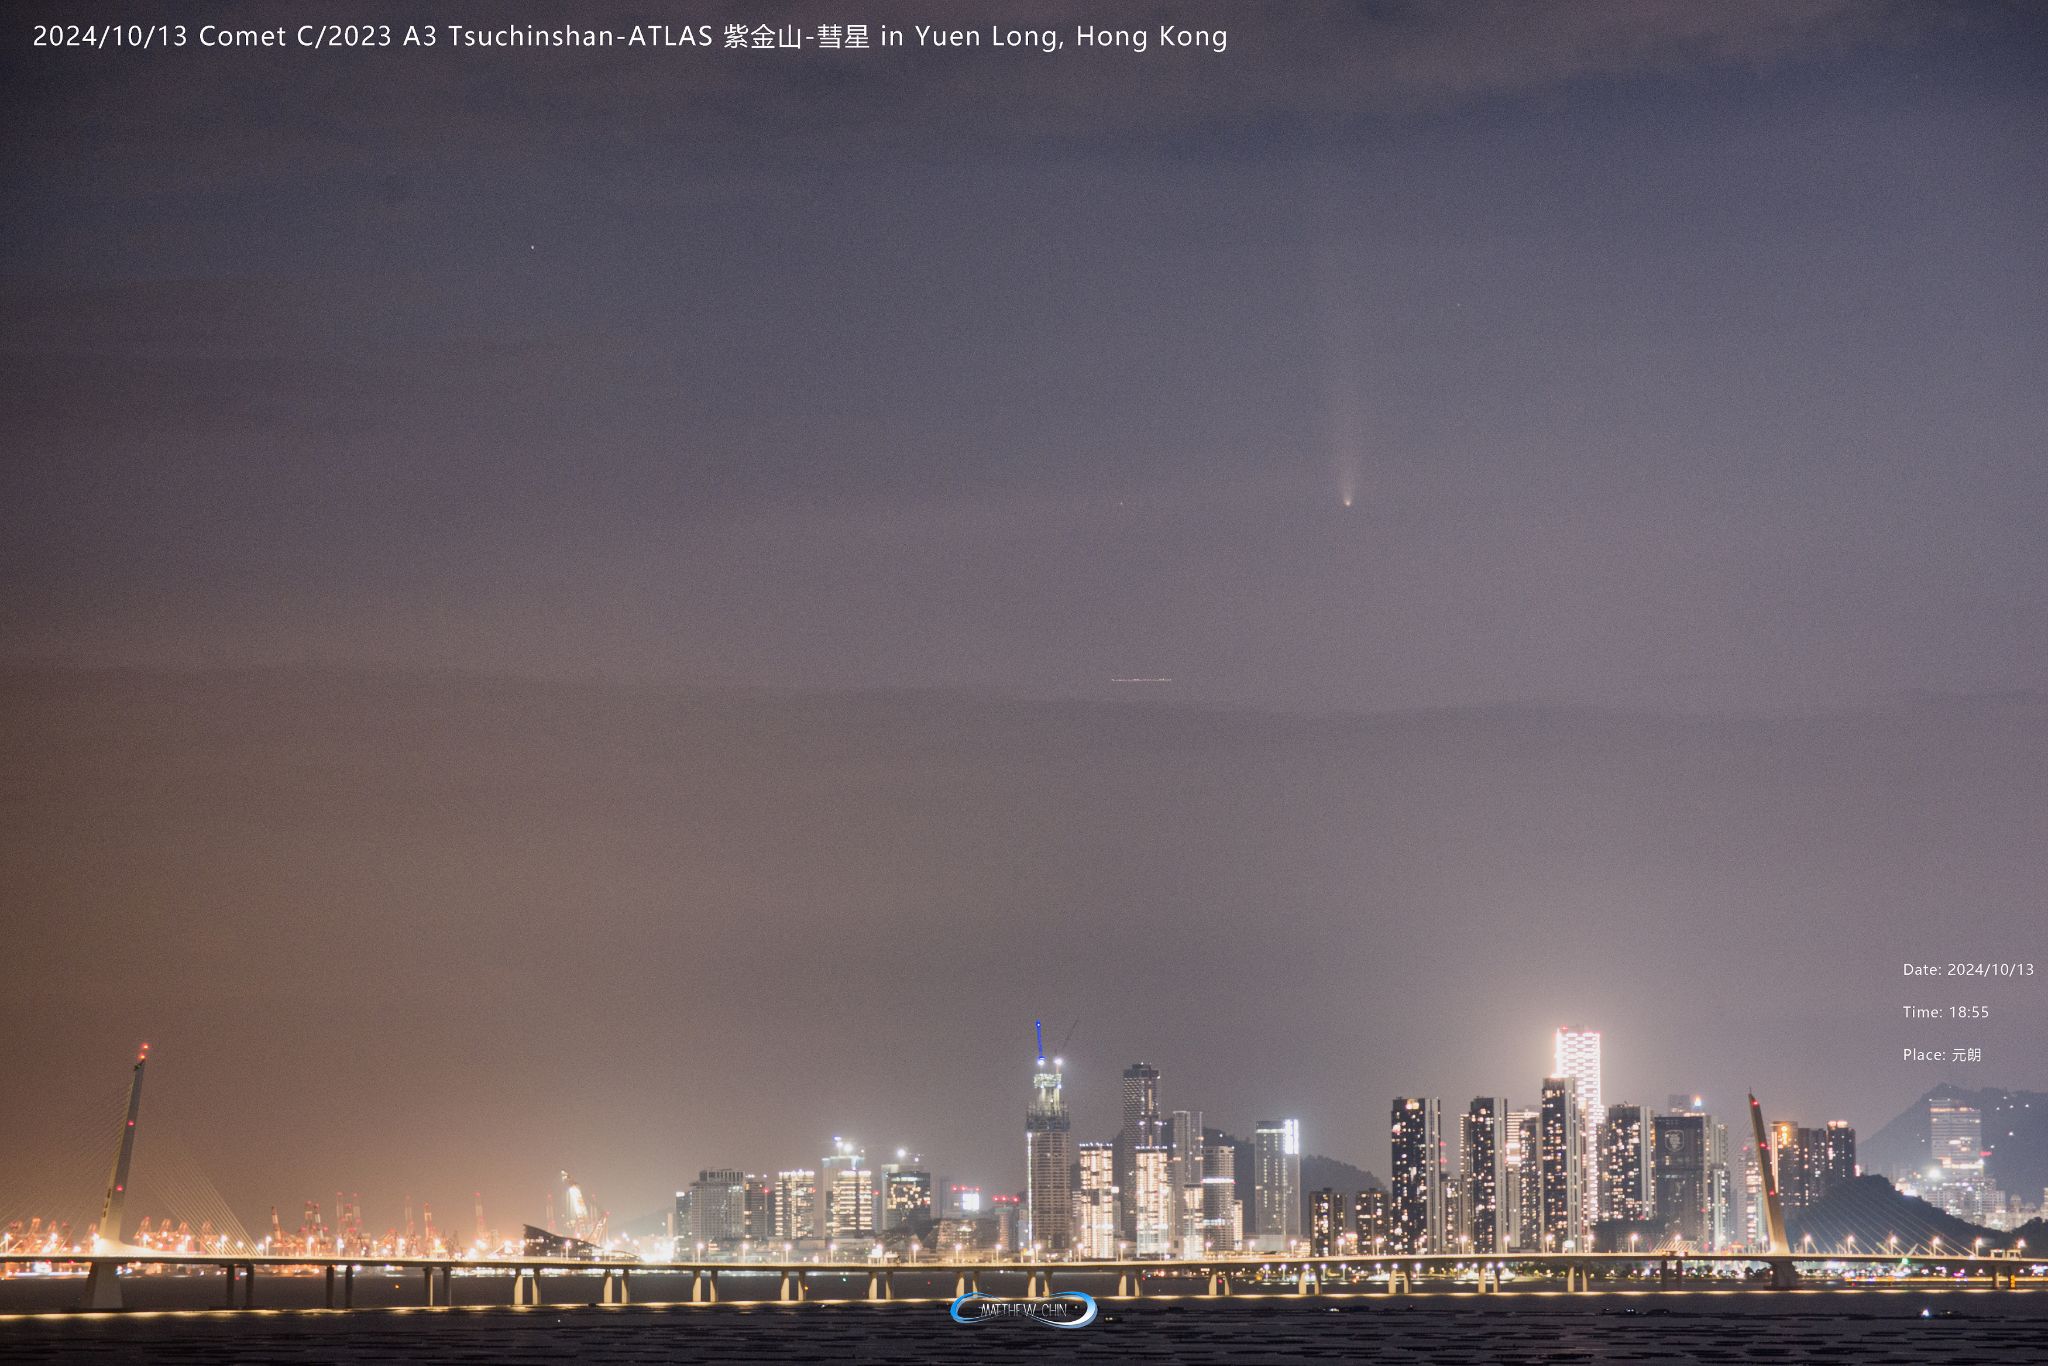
(1048, 1157)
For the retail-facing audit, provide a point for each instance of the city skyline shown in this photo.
(1427, 1183)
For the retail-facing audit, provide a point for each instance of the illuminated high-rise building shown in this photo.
(906, 1191)
(1184, 1143)
(796, 1204)
(1153, 1201)
(852, 1199)
(1095, 1202)
(718, 1209)
(847, 1189)
(1484, 1148)
(760, 1207)
(1276, 1184)
(1560, 1166)
(1142, 1127)
(1577, 1055)
(1222, 1211)
(1626, 1192)
(1521, 1214)
(1811, 1162)
(1837, 1162)
(1682, 1170)
(1141, 1103)
(1415, 1185)
(1369, 1210)
(1048, 1163)
(1326, 1211)
(1956, 1137)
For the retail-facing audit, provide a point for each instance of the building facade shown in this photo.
(1626, 1193)
(1048, 1163)
(1415, 1186)
(1577, 1055)
(1560, 1168)
(1276, 1184)
(1096, 1202)
(1483, 1148)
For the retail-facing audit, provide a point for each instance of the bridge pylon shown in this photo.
(103, 1281)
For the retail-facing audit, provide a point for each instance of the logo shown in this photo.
(1068, 1309)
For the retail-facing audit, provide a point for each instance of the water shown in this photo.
(1881, 1328)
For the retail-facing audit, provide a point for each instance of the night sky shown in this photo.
(564, 608)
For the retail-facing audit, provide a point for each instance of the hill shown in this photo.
(2015, 1136)
(1873, 1211)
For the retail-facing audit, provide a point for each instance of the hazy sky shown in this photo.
(562, 606)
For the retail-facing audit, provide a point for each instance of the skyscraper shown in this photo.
(1484, 1145)
(1152, 1200)
(1683, 1176)
(1142, 1127)
(906, 1194)
(1521, 1214)
(1625, 1189)
(1276, 1184)
(1415, 1194)
(1578, 1057)
(718, 1208)
(1222, 1211)
(1095, 1202)
(1369, 1212)
(852, 1200)
(1185, 1145)
(848, 1190)
(1560, 1159)
(1326, 1210)
(796, 1204)
(1048, 1163)
(1837, 1155)
(760, 1208)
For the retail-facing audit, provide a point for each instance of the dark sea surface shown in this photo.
(1886, 1328)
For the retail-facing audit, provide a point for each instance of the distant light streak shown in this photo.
(1141, 680)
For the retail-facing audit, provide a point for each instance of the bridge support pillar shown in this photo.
(1127, 1285)
(1307, 1282)
(526, 1286)
(1784, 1275)
(427, 1284)
(794, 1288)
(330, 1287)
(1398, 1282)
(227, 1297)
(1219, 1284)
(103, 1286)
(966, 1283)
(704, 1286)
(348, 1286)
(881, 1283)
(614, 1291)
